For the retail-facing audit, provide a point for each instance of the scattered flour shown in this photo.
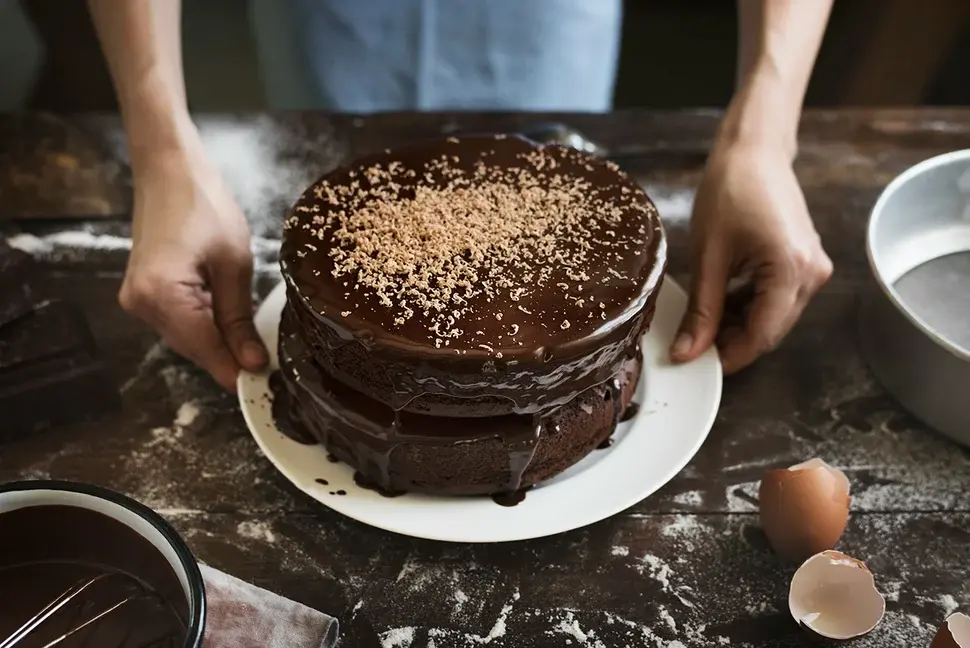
(644, 631)
(420, 575)
(656, 569)
(661, 572)
(186, 415)
(949, 604)
(452, 637)
(164, 436)
(499, 628)
(157, 352)
(266, 166)
(570, 626)
(81, 239)
(669, 620)
(397, 637)
(620, 550)
(683, 525)
(690, 498)
(863, 434)
(759, 609)
(890, 589)
(743, 497)
(409, 567)
(75, 243)
(256, 531)
(673, 203)
(460, 599)
(178, 512)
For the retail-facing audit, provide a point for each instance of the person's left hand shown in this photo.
(750, 220)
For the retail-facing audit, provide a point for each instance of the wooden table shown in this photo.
(686, 567)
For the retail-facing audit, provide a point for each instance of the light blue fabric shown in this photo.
(368, 56)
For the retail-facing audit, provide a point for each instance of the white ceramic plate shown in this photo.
(677, 408)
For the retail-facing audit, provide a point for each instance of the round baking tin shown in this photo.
(912, 329)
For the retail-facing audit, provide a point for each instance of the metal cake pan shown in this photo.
(915, 328)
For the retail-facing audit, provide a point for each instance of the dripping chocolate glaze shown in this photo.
(530, 346)
(630, 412)
(512, 498)
(367, 484)
(364, 433)
(281, 408)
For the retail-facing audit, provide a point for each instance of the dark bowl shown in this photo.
(60, 523)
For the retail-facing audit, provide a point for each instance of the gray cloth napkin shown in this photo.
(241, 615)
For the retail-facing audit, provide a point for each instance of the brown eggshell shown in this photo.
(804, 509)
(835, 596)
(954, 633)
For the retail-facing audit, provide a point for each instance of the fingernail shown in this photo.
(682, 345)
(253, 354)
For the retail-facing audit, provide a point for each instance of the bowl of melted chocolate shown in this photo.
(84, 567)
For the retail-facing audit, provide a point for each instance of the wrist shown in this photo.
(157, 123)
(763, 113)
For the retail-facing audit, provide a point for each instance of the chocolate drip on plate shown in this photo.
(630, 412)
(511, 498)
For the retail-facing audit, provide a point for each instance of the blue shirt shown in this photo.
(367, 56)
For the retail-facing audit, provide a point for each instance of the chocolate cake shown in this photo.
(464, 316)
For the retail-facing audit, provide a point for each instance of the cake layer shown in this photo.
(486, 268)
(403, 451)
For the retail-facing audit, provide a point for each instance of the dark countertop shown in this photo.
(687, 565)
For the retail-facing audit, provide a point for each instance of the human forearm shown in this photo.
(779, 41)
(141, 40)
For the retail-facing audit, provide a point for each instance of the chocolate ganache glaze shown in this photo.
(400, 451)
(474, 276)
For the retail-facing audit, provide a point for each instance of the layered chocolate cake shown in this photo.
(464, 316)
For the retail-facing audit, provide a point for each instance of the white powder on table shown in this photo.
(682, 525)
(186, 415)
(949, 604)
(397, 637)
(256, 531)
(86, 238)
(674, 204)
(265, 165)
(689, 498)
(569, 626)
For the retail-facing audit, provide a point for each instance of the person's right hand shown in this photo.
(189, 275)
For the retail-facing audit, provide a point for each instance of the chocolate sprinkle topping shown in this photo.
(432, 242)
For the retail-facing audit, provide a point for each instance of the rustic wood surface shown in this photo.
(686, 567)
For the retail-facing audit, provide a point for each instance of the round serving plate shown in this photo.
(677, 406)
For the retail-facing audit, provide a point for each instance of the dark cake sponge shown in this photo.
(447, 456)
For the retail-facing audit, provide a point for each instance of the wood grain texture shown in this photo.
(687, 565)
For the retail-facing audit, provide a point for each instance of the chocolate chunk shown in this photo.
(51, 372)
(16, 293)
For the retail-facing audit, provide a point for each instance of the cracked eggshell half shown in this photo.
(954, 633)
(804, 508)
(835, 596)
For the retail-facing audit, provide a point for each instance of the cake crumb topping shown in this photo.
(428, 240)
